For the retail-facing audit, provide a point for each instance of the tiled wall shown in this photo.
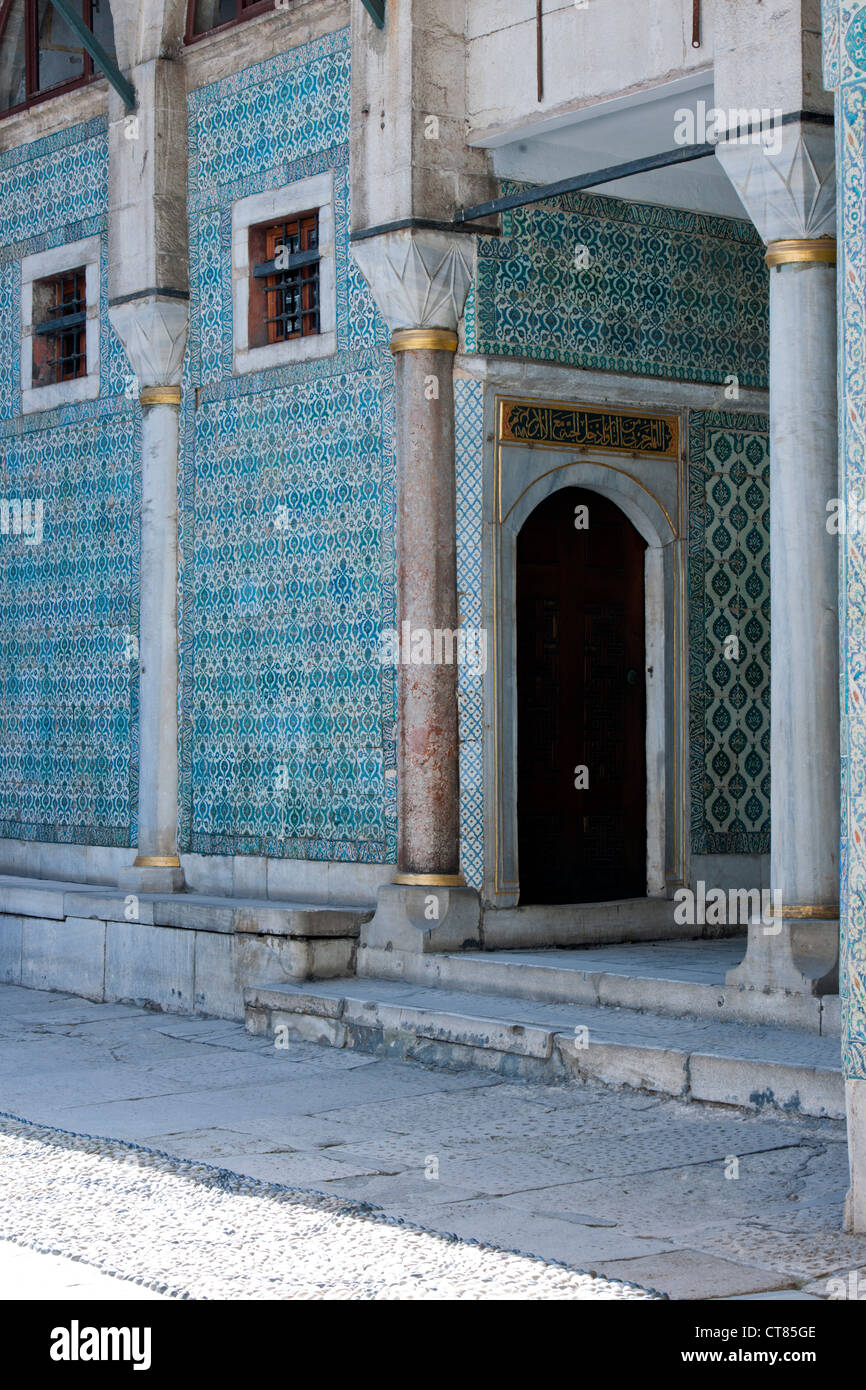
(469, 431)
(68, 606)
(623, 287)
(729, 597)
(845, 68)
(280, 673)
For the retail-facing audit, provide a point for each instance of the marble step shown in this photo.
(675, 978)
(729, 1063)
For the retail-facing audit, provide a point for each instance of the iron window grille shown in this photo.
(284, 294)
(40, 57)
(60, 338)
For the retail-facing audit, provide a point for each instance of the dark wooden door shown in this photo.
(581, 703)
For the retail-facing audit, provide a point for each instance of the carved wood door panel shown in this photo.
(581, 702)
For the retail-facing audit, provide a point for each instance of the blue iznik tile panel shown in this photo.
(287, 511)
(469, 435)
(845, 64)
(626, 287)
(729, 632)
(51, 185)
(69, 599)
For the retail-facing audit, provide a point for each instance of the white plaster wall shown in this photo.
(768, 53)
(590, 54)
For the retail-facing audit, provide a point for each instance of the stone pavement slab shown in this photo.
(692, 1274)
(598, 1176)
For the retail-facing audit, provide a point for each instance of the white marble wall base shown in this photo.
(855, 1205)
(223, 875)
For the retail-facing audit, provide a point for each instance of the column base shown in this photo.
(411, 921)
(800, 957)
(152, 878)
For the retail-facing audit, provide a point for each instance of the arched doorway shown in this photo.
(581, 702)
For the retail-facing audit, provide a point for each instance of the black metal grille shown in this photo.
(291, 279)
(65, 329)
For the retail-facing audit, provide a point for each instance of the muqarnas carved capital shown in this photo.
(787, 187)
(419, 279)
(153, 331)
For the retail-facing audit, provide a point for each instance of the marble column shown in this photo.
(428, 791)
(154, 334)
(420, 281)
(789, 194)
(149, 311)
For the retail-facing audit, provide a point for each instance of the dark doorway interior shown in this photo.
(581, 702)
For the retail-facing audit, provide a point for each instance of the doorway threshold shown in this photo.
(542, 925)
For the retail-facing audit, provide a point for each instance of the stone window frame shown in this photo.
(44, 265)
(315, 192)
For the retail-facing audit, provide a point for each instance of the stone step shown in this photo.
(582, 924)
(675, 978)
(183, 952)
(725, 1062)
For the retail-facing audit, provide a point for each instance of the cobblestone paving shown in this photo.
(191, 1230)
(695, 1200)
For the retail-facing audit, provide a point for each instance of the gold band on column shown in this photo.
(423, 339)
(822, 248)
(806, 912)
(430, 880)
(159, 395)
(156, 861)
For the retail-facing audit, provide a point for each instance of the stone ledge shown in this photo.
(186, 911)
(574, 977)
(726, 1063)
(181, 968)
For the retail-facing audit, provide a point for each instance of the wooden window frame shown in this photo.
(252, 11)
(31, 57)
(264, 240)
(44, 335)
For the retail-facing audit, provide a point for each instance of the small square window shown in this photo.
(284, 289)
(60, 308)
(60, 328)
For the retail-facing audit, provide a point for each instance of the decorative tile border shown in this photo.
(729, 595)
(845, 65)
(469, 436)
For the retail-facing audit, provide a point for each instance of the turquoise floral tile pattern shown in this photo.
(729, 632)
(626, 287)
(69, 604)
(469, 434)
(287, 511)
(845, 41)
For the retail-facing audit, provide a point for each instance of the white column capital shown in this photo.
(153, 331)
(419, 278)
(785, 179)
